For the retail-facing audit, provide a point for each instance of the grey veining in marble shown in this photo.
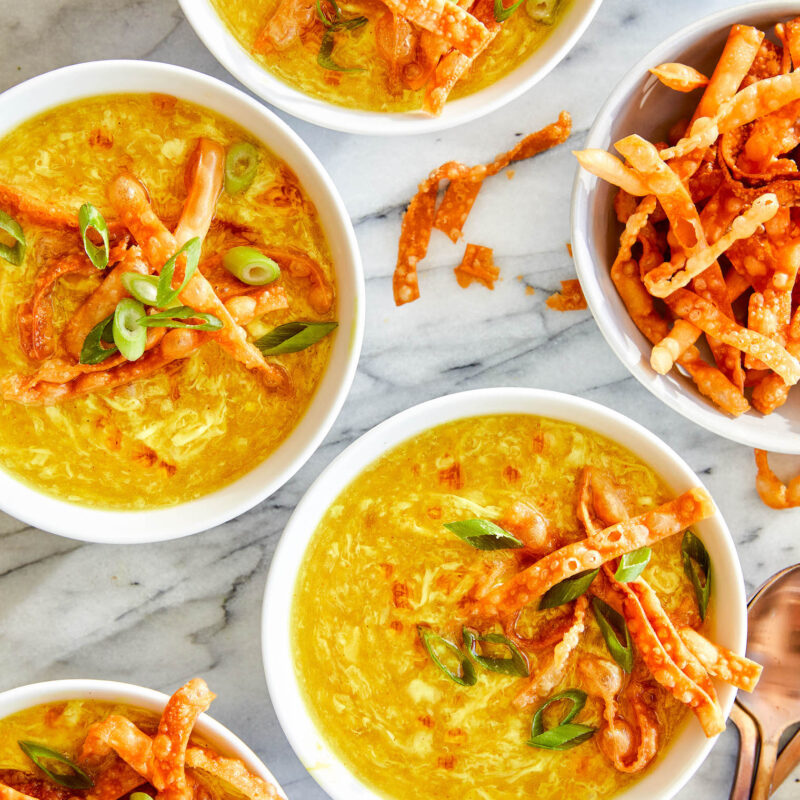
(158, 615)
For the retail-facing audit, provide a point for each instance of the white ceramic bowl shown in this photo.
(684, 755)
(207, 729)
(227, 50)
(640, 104)
(118, 527)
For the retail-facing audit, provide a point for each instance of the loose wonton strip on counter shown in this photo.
(570, 298)
(477, 265)
(543, 683)
(445, 19)
(666, 520)
(722, 663)
(772, 491)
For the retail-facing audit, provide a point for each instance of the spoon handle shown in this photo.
(787, 761)
(766, 766)
(748, 744)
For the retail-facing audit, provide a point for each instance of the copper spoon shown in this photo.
(773, 640)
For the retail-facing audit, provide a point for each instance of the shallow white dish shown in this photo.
(130, 527)
(640, 104)
(690, 747)
(206, 728)
(227, 50)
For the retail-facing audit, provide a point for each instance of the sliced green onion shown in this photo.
(632, 565)
(171, 318)
(501, 14)
(568, 589)
(293, 337)
(324, 57)
(90, 217)
(129, 336)
(38, 753)
(166, 294)
(566, 734)
(241, 166)
(614, 629)
(466, 672)
(697, 566)
(140, 796)
(143, 287)
(251, 266)
(16, 252)
(516, 664)
(483, 534)
(93, 351)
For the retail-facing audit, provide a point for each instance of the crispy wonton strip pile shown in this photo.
(465, 182)
(570, 298)
(477, 265)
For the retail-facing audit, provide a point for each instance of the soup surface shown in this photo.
(205, 420)
(381, 563)
(372, 82)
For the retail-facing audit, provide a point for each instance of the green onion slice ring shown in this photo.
(516, 664)
(38, 753)
(566, 734)
(293, 337)
(166, 294)
(568, 589)
(93, 351)
(90, 217)
(143, 287)
(632, 565)
(251, 266)
(129, 336)
(241, 167)
(697, 566)
(614, 629)
(15, 253)
(173, 318)
(466, 672)
(140, 796)
(483, 535)
(501, 14)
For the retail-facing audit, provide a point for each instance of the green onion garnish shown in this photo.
(632, 565)
(143, 287)
(566, 734)
(16, 252)
(516, 664)
(501, 14)
(38, 753)
(614, 629)
(465, 676)
(129, 335)
(140, 796)
(697, 566)
(166, 294)
(568, 589)
(483, 534)
(93, 351)
(90, 217)
(241, 166)
(293, 337)
(172, 318)
(251, 266)
(324, 58)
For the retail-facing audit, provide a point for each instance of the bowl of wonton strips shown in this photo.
(389, 67)
(685, 226)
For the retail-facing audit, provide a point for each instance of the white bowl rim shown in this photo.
(34, 694)
(290, 707)
(700, 411)
(90, 524)
(210, 29)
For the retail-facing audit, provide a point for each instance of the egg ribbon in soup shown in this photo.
(147, 245)
(475, 616)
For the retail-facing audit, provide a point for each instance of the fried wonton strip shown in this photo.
(670, 518)
(7, 793)
(682, 336)
(232, 772)
(722, 663)
(714, 323)
(445, 19)
(204, 175)
(115, 782)
(680, 77)
(736, 284)
(168, 756)
(665, 279)
(290, 19)
(609, 168)
(17, 203)
(772, 491)
(792, 33)
(455, 207)
(599, 500)
(477, 265)
(300, 265)
(570, 298)
(118, 734)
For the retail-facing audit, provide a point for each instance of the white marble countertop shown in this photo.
(158, 615)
